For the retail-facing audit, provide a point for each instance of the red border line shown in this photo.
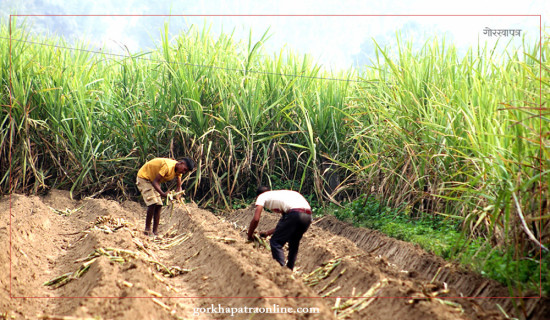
(540, 155)
(271, 15)
(276, 15)
(11, 144)
(268, 297)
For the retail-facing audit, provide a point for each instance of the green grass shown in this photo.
(445, 239)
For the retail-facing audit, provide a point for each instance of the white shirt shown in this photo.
(282, 201)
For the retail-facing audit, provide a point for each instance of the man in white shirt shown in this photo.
(295, 220)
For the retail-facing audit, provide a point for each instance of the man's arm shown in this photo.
(178, 189)
(264, 234)
(254, 222)
(156, 185)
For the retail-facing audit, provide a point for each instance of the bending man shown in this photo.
(295, 220)
(149, 178)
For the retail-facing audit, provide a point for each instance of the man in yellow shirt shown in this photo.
(149, 178)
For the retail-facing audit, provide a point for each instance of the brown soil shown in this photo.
(213, 265)
(428, 266)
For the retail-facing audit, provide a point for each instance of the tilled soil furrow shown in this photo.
(230, 271)
(202, 267)
(57, 242)
(359, 272)
(428, 266)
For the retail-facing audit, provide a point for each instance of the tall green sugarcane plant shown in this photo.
(459, 136)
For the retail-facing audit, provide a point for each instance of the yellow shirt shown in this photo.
(163, 166)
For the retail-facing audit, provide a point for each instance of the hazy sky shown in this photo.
(336, 42)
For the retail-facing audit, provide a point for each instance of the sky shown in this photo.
(336, 42)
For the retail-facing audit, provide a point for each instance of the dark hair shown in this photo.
(261, 189)
(189, 163)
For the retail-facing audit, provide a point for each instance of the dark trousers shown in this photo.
(290, 228)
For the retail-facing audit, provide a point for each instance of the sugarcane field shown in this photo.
(222, 174)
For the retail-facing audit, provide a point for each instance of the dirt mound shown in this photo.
(110, 270)
(198, 262)
(401, 293)
(429, 266)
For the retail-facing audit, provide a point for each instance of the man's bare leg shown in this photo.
(156, 220)
(150, 214)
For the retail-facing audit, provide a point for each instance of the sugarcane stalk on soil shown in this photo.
(332, 281)
(353, 305)
(259, 241)
(224, 239)
(174, 198)
(62, 280)
(322, 272)
(169, 243)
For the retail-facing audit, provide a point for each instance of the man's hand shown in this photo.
(258, 241)
(267, 233)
